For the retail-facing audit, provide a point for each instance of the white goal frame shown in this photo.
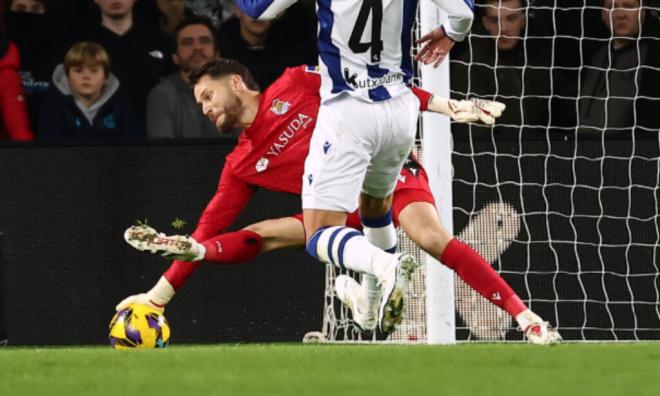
(437, 149)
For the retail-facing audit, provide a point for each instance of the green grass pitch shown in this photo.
(297, 369)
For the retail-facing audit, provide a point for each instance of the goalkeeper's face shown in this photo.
(220, 100)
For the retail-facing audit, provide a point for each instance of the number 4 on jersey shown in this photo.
(375, 8)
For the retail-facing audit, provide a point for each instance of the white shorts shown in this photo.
(357, 146)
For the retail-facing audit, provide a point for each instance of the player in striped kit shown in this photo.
(270, 155)
(365, 129)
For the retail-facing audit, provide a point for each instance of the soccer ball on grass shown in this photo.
(139, 326)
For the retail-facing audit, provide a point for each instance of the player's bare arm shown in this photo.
(264, 9)
(437, 43)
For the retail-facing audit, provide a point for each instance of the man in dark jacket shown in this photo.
(140, 53)
(172, 111)
(500, 66)
(88, 103)
(619, 85)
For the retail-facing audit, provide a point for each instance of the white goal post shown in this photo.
(436, 158)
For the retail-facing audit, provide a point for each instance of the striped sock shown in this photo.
(347, 248)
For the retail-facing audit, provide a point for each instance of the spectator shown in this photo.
(88, 103)
(266, 48)
(27, 27)
(496, 66)
(619, 85)
(14, 122)
(172, 111)
(30, 6)
(140, 53)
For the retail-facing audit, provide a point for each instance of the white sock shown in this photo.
(162, 292)
(362, 256)
(381, 233)
(382, 237)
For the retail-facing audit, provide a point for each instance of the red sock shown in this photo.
(230, 248)
(179, 271)
(478, 273)
(233, 247)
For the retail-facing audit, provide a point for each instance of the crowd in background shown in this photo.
(562, 67)
(82, 69)
(79, 69)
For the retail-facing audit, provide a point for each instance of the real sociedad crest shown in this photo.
(261, 165)
(280, 107)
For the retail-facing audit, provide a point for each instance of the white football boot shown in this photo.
(351, 293)
(176, 247)
(394, 284)
(536, 330)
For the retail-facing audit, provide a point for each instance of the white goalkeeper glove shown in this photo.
(464, 111)
(156, 298)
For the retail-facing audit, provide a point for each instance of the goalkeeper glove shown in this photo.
(464, 111)
(156, 298)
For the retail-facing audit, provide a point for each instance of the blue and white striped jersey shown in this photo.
(364, 45)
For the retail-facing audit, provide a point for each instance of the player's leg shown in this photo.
(341, 148)
(227, 248)
(244, 245)
(339, 155)
(285, 232)
(378, 228)
(418, 217)
(376, 204)
(375, 219)
(377, 224)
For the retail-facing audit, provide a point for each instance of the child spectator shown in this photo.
(88, 103)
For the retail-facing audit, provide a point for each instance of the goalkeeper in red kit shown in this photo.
(277, 126)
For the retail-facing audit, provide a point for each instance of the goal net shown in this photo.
(561, 195)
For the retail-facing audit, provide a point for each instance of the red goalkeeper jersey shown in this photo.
(270, 153)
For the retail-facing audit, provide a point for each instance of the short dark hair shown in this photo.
(224, 67)
(193, 20)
